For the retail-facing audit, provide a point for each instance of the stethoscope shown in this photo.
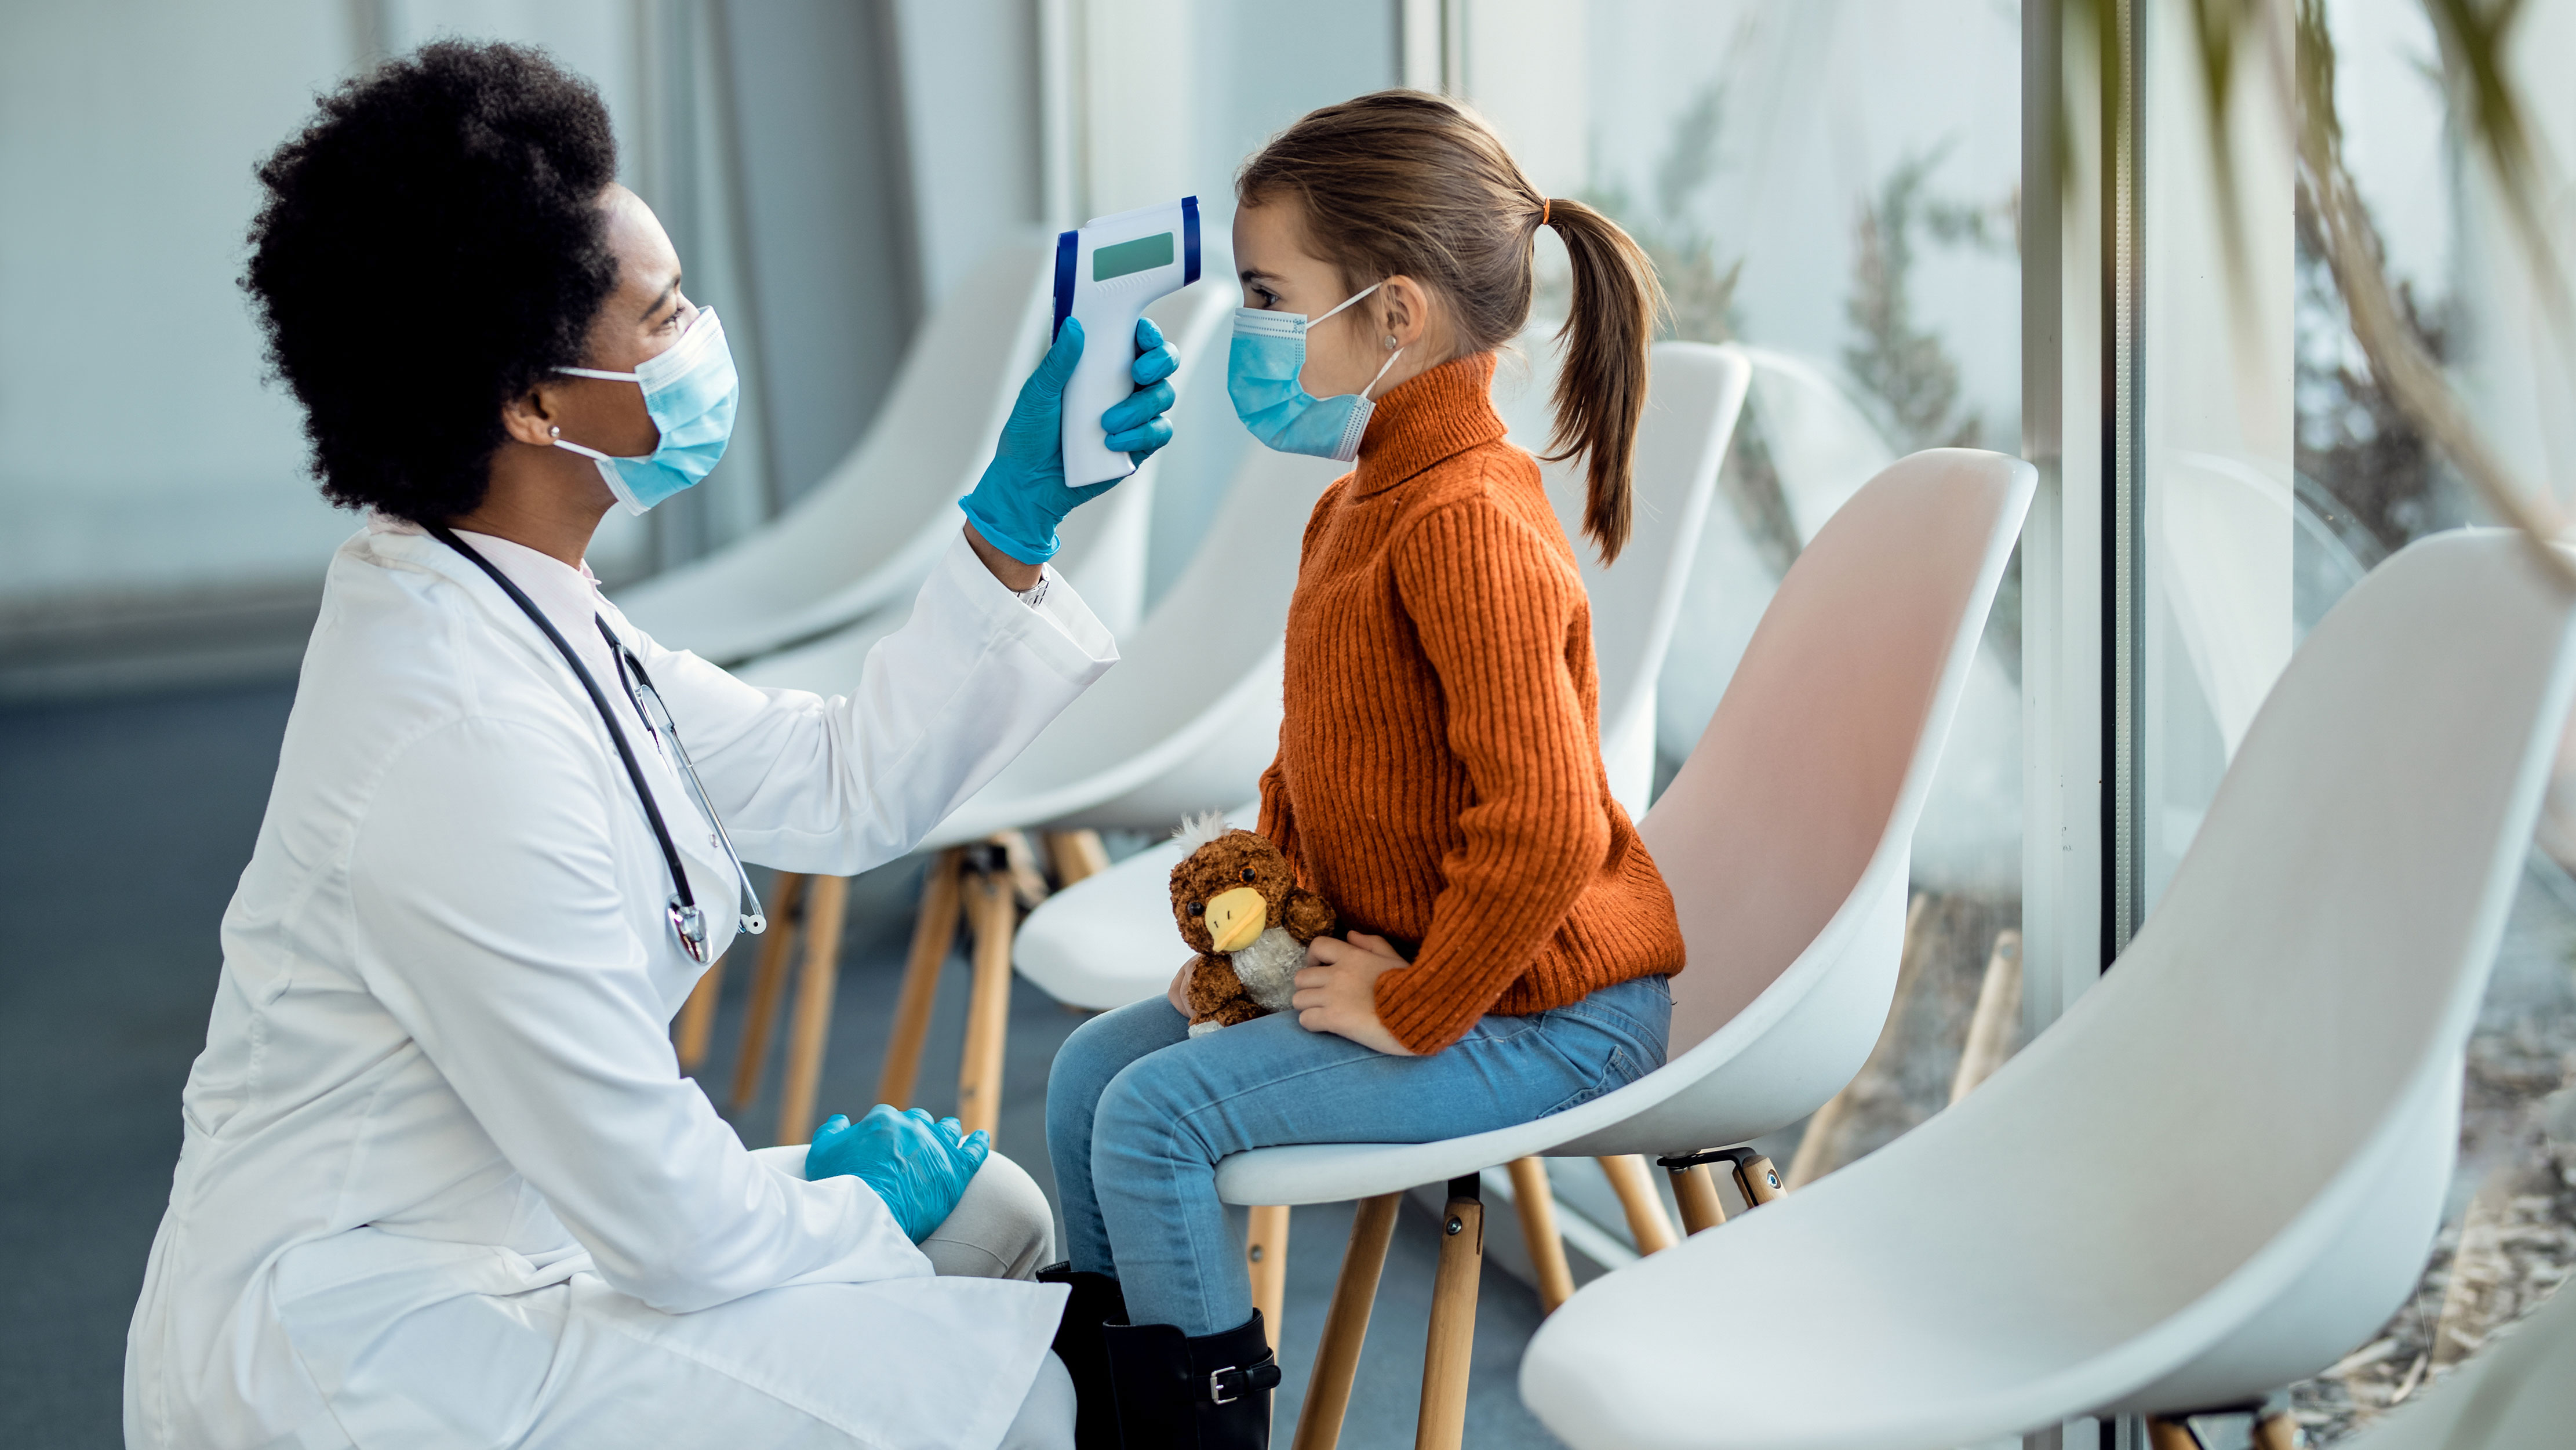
(688, 923)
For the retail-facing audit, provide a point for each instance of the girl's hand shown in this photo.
(1178, 994)
(1337, 990)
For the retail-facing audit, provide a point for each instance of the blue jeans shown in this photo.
(1139, 1112)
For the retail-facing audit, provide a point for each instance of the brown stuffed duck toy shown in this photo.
(1240, 908)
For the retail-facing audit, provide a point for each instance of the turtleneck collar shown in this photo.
(1440, 414)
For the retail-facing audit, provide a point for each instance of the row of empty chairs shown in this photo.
(2221, 1169)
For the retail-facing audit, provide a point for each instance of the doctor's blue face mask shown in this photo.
(690, 390)
(1261, 377)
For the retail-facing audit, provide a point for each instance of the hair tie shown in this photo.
(1544, 206)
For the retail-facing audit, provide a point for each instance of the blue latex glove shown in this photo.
(920, 1168)
(1021, 497)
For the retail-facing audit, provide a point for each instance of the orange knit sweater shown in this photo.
(1439, 777)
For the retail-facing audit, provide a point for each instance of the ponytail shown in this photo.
(1400, 182)
(1601, 387)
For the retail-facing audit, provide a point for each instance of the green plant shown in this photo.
(2294, 39)
(1902, 367)
(1699, 286)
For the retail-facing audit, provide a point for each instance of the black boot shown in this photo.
(1095, 1302)
(1177, 1393)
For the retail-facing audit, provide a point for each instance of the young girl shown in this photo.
(1439, 775)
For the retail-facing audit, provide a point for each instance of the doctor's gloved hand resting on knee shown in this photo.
(920, 1168)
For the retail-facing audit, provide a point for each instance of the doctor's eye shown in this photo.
(1198, 908)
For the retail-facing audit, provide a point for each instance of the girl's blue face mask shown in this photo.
(690, 391)
(1261, 377)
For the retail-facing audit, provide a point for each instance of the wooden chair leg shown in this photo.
(1449, 1353)
(1265, 1255)
(934, 931)
(810, 1027)
(1535, 1201)
(1821, 1147)
(1695, 1189)
(2278, 1430)
(1636, 1189)
(768, 983)
(994, 913)
(1996, 1023)
(1019, 864)
(697, 1020)
(1337, 1357)
(1758, 1180)
(1077, 854)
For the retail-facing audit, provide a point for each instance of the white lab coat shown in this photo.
(442, 1182)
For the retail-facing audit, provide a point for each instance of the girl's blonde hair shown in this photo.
(1403, 182)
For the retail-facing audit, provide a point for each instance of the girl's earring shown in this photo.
(1390, 341)
(556, 432)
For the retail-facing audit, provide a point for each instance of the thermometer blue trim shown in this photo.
(1066, 243)
(1107, 272)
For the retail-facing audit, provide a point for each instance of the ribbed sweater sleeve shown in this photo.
(1493, 605)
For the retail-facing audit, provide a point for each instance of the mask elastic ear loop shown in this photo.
(1345, 302)
(1381, 372)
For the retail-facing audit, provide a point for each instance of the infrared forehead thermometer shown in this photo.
(1106, 274)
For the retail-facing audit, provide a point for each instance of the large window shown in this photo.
(2363, 483)
(2271, 467)
(1837, 190)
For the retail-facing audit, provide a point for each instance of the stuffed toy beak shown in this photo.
(1235, 918)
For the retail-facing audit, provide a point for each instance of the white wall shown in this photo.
(138, 444)
(970, 84)
(140, 448)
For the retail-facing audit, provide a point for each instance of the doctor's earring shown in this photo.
(1390, 341)
(554, 432)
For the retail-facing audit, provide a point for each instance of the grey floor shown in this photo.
(125, 824)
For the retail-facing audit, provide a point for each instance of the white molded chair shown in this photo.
(1185, 721)
(2519, 1393)
(868, 534)
(2220, 1170)
(1785, 839)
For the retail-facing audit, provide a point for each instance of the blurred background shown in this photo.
(1834, 185)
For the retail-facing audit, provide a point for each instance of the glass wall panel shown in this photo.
(1835, 188)
(2276, 471)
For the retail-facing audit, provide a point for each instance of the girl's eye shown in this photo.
(1198, 908)
(1265, 297)
(1247, 873)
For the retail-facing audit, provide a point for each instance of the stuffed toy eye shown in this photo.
(1198, 908)
(1247, 873)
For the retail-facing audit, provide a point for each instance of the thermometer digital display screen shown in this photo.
(1140, 255)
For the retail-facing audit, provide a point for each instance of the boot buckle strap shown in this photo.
(1229, 1384)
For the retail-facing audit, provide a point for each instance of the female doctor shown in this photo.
(442, 1182)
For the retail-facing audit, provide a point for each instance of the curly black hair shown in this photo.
(431, 246)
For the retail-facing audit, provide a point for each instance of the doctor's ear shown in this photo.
(532, 418)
